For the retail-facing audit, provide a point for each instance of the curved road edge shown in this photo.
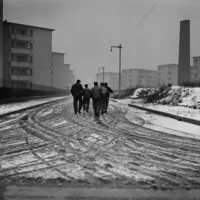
(180, 118)
(177, 117)
(30, 107)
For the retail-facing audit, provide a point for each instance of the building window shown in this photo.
(31, 45)
(31, 72)
(31, 32)
(21, 45)
(169, 78)
(22, 58)
(169, 73)
(21, 31)
(12, 30)
(19, 72)
(31, 59)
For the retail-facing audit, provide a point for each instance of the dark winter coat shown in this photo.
(104, 92)
(109, 90)
(77, 90)
(87, 94)
(96, 92)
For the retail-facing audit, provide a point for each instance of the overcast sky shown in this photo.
(85, 30)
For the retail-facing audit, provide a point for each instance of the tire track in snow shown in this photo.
(112, 148)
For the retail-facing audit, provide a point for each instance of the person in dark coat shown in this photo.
(104, 94)
(108, 95)
(86, 98)
(96, 98)
(77, 92)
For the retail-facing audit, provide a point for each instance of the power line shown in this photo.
(144, 17)
(147, 14)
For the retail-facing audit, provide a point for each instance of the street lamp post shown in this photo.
(119, 47)
(103, 71)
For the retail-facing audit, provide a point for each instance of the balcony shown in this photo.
(20, 50)
(20, 78)
(20, 64)
(21, 37)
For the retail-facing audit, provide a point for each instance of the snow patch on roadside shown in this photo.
(5, 108)
(161, 123)
(143, 92)
(176, 110)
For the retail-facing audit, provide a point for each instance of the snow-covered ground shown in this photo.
(143, 92)
(176, 100)
(181, 96)
(52, 146)
(165, 124)
(175, 95)
(5, 108)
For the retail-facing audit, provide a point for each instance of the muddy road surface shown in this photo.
(50, 146)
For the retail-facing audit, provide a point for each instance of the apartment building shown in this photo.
(148, 78)
(167, 74)
(112, 78)
(130, 78)
(58, 75)
(27, 55)
(1, 40)
(61, 75)
(195, 69)
(139, 78)
(70, 80)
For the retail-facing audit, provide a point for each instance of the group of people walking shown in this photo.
(99, 95)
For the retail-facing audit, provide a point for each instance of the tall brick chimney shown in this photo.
(184, 52)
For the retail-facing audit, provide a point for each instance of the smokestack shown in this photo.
(184, 52)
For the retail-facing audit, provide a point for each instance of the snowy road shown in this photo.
(52, 146)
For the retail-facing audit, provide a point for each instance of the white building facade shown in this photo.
(62, 76)
(195, 69)
(112, 78)
(132, 78)
(167, 74)
(70, 77)
(27, 55)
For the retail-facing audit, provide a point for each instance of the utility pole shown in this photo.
(119, 47)
(103, 71)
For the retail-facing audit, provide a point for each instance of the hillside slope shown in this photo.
(174, 96)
